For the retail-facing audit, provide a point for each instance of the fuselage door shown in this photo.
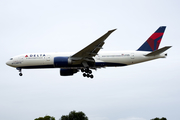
(48, 58)
(132, 55)
(98, 57)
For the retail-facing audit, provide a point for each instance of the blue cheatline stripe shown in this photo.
(97, 64)
(103, 64)
(145, 47)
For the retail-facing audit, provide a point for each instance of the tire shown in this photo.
(20, 74)
(92, 76)
(84, 75)
(82, 70)
(90, 71)
(86, 70)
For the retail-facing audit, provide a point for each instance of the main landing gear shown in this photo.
(87, 73)
(20, 73)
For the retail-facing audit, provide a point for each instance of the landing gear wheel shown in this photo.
(84, 75)
(87, 73)
(86, 70)
(82, 70)
(90, 71)
(20, 74)
(91, 76)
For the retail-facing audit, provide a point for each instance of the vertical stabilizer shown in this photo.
(153, 41)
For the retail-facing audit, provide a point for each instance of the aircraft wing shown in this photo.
(91, 50)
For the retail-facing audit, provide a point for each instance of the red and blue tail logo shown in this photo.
(153, 41)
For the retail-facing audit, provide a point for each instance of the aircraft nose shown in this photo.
(8, 63)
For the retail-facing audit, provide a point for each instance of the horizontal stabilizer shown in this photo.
(159, 51)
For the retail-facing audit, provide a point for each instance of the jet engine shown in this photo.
(67, 72)
(62, 61)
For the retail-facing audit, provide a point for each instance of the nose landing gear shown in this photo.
(20, 73)
(88, 73)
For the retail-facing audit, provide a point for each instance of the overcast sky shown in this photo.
(138, 92)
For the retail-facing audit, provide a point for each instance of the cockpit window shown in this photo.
(11, 59)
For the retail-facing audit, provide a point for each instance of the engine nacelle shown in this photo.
(67, 72)
(62, 61)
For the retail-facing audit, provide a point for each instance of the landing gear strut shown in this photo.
(20, 73)
(88, 73)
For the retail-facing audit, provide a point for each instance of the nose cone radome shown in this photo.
(8, 63)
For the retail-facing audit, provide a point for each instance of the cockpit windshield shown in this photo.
(11, 59)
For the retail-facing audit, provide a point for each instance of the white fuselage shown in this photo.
(103, 59)
(90, 57)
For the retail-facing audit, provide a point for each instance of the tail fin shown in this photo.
(153, 41)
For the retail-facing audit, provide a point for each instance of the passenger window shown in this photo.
(11, 59)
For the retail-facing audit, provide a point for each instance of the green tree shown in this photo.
(73, 115)
(155, 119)
(45, 118)
(159, 118)
(64, 117)
(163, 118)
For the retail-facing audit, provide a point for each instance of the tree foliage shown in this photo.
(73, 115)
(159, 118)
(45, 118)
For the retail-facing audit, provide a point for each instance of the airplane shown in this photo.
(89, 58)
